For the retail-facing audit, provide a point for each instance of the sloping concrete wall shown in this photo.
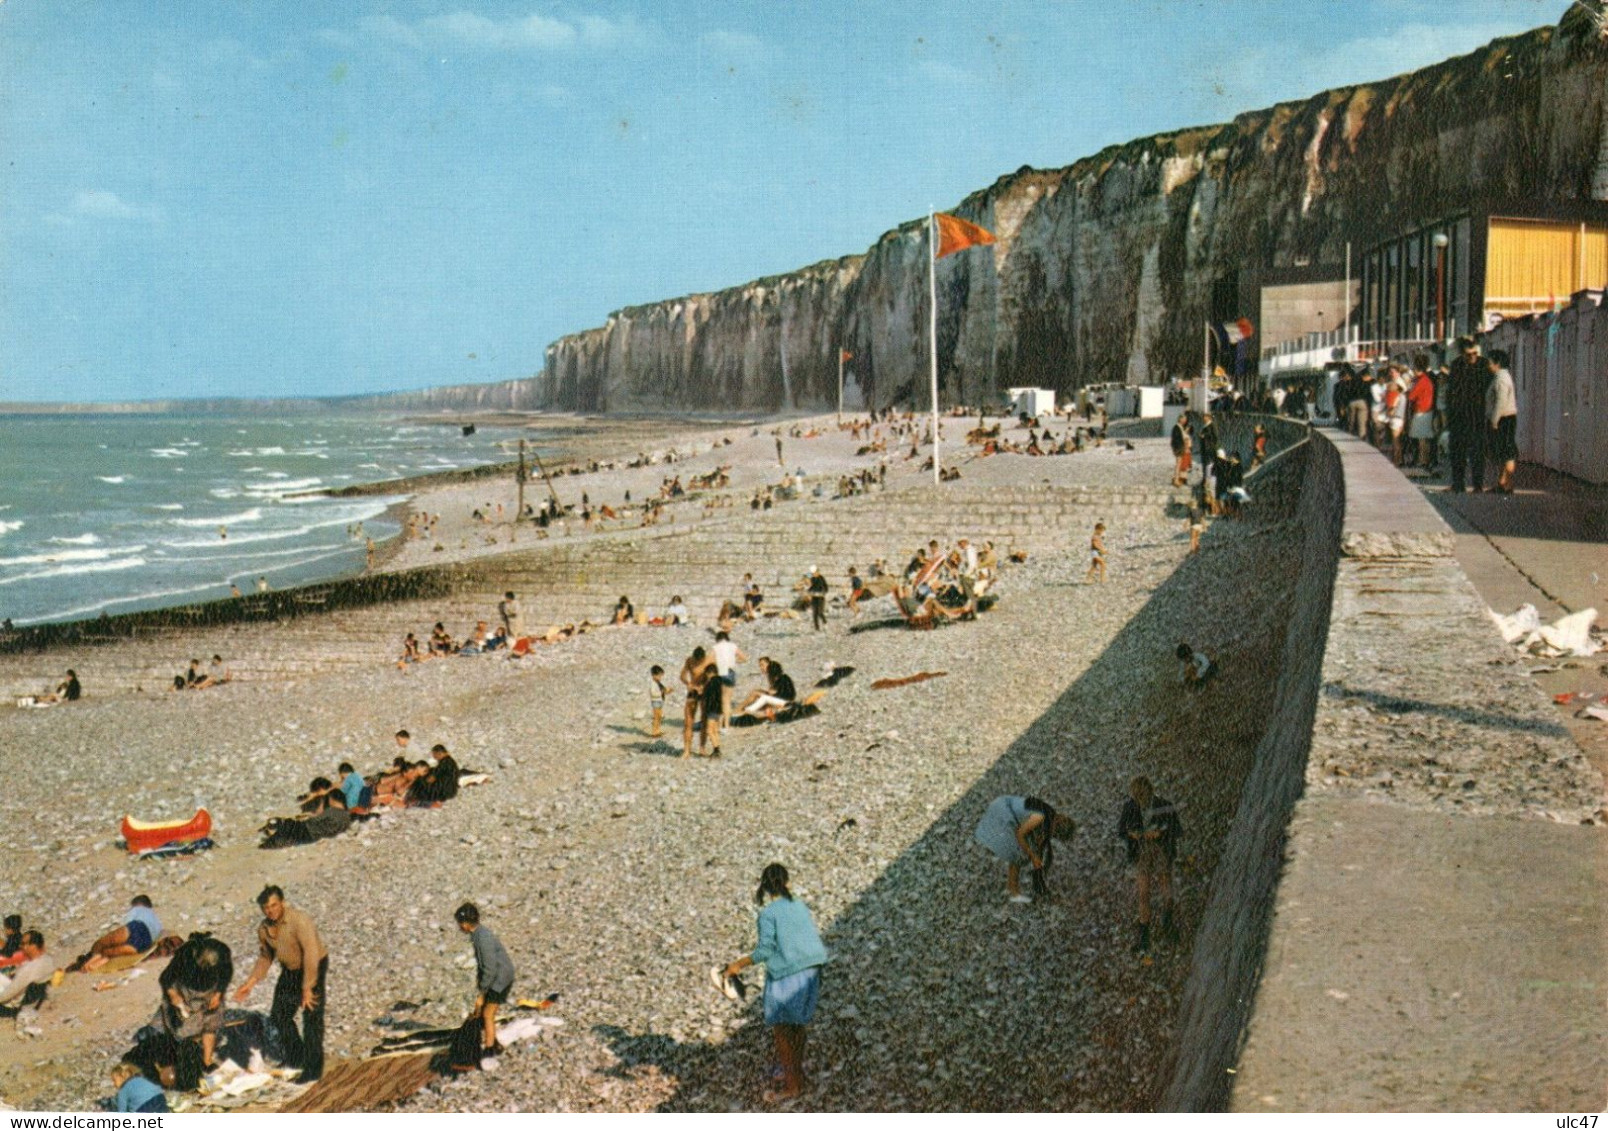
(1408, 914)
(1438, 937)
(1229, 942)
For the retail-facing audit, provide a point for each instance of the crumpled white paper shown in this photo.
(1567, 636)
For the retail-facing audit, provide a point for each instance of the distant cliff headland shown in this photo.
(499, 396)
(1104, 270)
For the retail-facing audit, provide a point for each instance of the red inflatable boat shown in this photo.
(143, 836)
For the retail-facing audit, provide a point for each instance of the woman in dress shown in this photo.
(1019, 830)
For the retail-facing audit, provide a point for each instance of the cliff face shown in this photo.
(1104, 270)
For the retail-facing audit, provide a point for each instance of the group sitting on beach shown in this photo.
(194, 679)
(69, 690)
(329, 806)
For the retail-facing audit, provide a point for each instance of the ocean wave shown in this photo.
(260, 489)
(71, 556)
(8, 527)
(225, 492)
(217, 587)
(169, 453)
(275, 451)
(112, 478)
(80, 540)
(240, 540)
(112, 602)
(335, 516)
(221, 520)
(167, 506)
(75, 568)
(325, 548)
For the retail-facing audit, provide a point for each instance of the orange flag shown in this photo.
(955, 234)
(845, 355)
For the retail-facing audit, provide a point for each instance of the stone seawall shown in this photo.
(1408, 912)
(1229, 941)
(1438, 936)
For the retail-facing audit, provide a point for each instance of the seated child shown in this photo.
(1194, 668)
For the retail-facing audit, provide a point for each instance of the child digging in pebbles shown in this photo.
(135, 1093)
(791, 951)
(494, 977)
(1018, 831)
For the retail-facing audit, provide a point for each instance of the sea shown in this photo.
(116, 513)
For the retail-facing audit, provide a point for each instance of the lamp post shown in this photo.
(1440, 241)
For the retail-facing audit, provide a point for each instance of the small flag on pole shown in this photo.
(1232, 333)
(955, 234)
(845, 355)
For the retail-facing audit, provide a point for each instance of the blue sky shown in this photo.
(220, 198)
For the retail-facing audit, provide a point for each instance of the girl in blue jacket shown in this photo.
(790, 949)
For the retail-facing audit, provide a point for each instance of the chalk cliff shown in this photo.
(1105, 269)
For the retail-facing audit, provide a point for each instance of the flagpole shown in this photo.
(932, 336)
(1205, 367)
(840, 386)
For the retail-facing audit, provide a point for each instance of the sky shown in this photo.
(205, 198)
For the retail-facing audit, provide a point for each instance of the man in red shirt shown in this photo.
(1421, 406)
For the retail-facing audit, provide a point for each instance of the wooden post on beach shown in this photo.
(932, 336)
(522, 475)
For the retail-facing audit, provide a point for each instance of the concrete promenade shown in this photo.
(1544, 545)
(1438, 937)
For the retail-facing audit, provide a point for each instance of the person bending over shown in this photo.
(1194, 668)
(494, 977)
(193, 987)
(1018, 831)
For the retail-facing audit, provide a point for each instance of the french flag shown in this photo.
(1232, 333)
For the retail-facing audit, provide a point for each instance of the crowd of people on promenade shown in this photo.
(1219, 487)
(1458, 415)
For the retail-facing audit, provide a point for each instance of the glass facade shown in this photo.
(1416, 289)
